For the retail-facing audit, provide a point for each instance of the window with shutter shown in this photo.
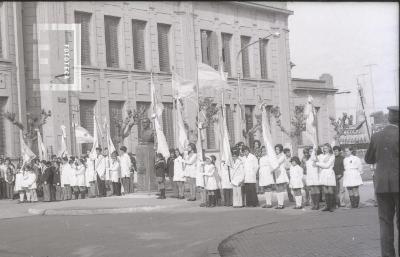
(263, 58)
(3, 101)
(249, 109)
(168, 128)
(230, 124)
(111, 24)
(84, 19)
(226, 52)
(209, 48)
(205, 46)
(115, 109)
(1, 38)
(244, 40)
(163, 46)
(138, 36)
(86, 109)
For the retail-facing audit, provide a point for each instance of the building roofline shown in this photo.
(309, 80)
(262, 6)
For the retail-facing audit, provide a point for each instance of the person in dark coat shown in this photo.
(338, 168)
(383, 151)
(47, 180)
(170, 171)
(57, 194)
(160, 168)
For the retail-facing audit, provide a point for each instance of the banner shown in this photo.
(182, 88)
(82, 135)
(64, 151)
(157, 110)
(311, 122)
(210, 78)
(26, 153)
(182, 139)
(95, 138)
(266, 132)
(41, 148)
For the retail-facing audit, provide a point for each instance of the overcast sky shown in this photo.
(340, 38)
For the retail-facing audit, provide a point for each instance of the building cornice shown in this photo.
(316, 89)
(264, 7)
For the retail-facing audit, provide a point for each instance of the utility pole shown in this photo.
(372, 84)
(396, 86)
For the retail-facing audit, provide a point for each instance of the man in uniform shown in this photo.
(384, 151)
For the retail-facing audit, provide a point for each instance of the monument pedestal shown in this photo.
(145, 159)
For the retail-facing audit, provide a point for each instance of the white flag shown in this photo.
(41, 147)
(27, 154)
(182, 139)
(182, 88)
(157, 110)
(266, 131)
(311, 123)
(82, 135)
(225, 148)
(64, 151)
(95, 138)
(210, 78)
(110, 144)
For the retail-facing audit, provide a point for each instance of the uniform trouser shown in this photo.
(174, 187)
(2, 191)
(46, 192)
(237, 196)
(10, 190)
(67, 192)
(181, 188)
(340, 191)
(192, 187)
(56, 193)
(251, 194)
(109, 188)
(101, 186)
(131, 183)
(125, 184)
(92, 190)
(116, 188)
(388, 206)
(227, 196)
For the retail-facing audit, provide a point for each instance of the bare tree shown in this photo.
(33, 123)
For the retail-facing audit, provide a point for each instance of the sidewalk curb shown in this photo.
(76, 212)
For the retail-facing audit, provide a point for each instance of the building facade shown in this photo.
(122, 43)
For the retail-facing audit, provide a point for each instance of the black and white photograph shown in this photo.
(199, 129)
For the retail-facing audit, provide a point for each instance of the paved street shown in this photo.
(181, 228)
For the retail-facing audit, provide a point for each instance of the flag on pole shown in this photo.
(27, 154)
(182, 88)
(266, 132)
(82, 135)
(210, 78)
(311, 122)
(157, 110)
(95, 138)
(225, 147)
(41, 147)
(64, 151)
(182, 139)
(110, 144)
(240, 116)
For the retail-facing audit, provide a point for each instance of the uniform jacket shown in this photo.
(80, 171)
(211, 177)
(66, 174)
(179, 172)
(250, 165)
(383, 151)
(115, 170)
(266, 177)
(29, 180)
(160, 168)
(100, 166)
(224, 174)
(191, 165)
(125, 162)
(237, 173)
(338, 167)
(47, 175)
(170, 167)
(56, 176)
(296, 176)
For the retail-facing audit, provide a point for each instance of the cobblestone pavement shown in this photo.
(343, 233)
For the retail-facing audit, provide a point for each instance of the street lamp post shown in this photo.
(372, 84)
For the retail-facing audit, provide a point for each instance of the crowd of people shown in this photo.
(67, 178)
(321, 173)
